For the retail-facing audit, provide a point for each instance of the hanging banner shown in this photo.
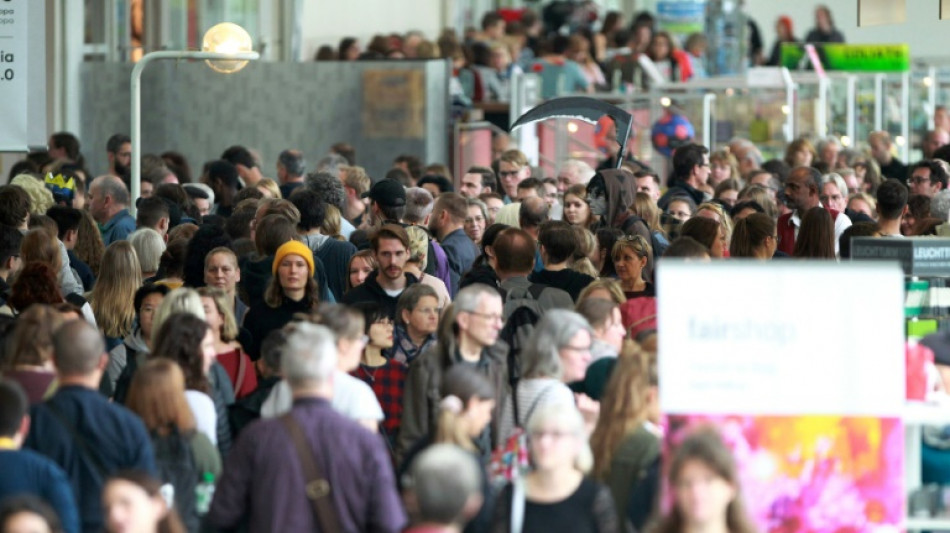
(681, 17)
(850, 57)
(22, 75)
(811, 408)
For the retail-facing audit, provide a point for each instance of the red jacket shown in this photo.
(786, 231)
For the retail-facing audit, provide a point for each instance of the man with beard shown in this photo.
(390, 245)
(447, 224)
(119, 154)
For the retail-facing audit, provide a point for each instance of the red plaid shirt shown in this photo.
(387, 382)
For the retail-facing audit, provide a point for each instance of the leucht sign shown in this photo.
(851, 57)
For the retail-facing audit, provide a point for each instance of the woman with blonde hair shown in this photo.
(333, 224)
(41, 198)
(269, 188)
(632, 256)
(586, 249)
(230, 355)
(157, 396)
(761, 196)
(176, 301)
(715, 212)
(557, 494)
(416, 264)
(112, 299)
(605, 289)
(113, 302)
(626, 440)
(644, 206)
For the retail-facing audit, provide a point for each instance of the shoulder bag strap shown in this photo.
(242, 370)
(517, 505)
(317, 486)
(84, 449)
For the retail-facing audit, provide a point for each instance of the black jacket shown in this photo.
(371, 291)
(256, 274)
(680, 188)
(261, 319)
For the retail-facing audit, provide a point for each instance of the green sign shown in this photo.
(851, 57)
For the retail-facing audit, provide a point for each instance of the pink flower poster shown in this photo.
(829, 474)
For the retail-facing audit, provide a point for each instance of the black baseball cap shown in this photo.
(387, 192)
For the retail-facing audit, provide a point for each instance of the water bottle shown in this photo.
(204, 493)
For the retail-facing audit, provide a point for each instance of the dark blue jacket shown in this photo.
(114, 438)
(27, 472)
(461, 252)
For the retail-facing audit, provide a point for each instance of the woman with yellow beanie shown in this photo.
(291, 290)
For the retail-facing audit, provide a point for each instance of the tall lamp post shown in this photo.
(226, 48)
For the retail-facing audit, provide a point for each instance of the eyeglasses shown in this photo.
(491, 317)
(576, 348)
(555, 434)
(919, 180)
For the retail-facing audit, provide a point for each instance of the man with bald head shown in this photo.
(88, 436)
(109, 206)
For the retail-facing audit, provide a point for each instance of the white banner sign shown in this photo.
(789, 338)
(22, 74)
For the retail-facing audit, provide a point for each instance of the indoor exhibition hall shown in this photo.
(474, 266)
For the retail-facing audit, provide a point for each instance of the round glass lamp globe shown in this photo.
(226, 38)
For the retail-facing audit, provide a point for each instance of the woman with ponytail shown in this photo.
(465, 410)
(754, 237)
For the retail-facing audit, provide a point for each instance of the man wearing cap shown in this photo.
(390, 245)
(387, 202)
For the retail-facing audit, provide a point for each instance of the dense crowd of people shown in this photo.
(573, 49)
(322, 348)
(411, 352)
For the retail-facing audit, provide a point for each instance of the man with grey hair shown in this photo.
(419, 203)
(332, 163)
(469, 337)
(291, 168)
(573, 172)
(747, 155)
(446, 483)
(828, 149)
(83, 432)
(266, 484)
(109, 206)
(940, 205)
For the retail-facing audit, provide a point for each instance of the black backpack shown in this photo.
(175, 462)
(522, 311)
